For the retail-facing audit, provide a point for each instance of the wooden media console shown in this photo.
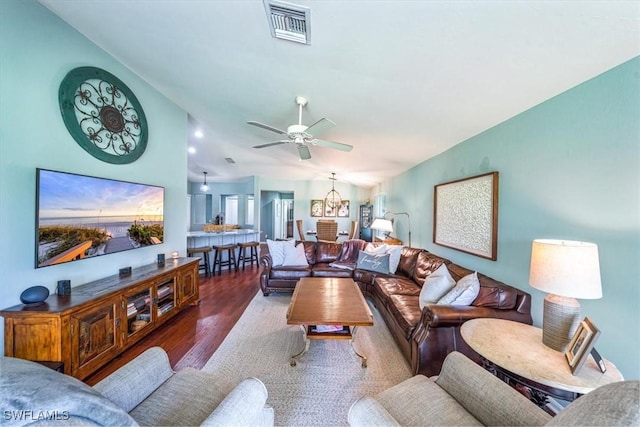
(100, 319)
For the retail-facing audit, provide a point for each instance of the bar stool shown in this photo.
(205, 257)
(218, 259)
(253, 253)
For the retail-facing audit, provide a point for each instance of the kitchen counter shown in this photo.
(197, 239)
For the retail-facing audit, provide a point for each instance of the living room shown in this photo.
(569, 168)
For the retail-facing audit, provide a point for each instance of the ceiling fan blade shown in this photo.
(267, 127)
(320, 126)
(303, 150)
(270, 144)
(330, 144)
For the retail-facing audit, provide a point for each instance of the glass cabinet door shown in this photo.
(138, 305)
(166, 297)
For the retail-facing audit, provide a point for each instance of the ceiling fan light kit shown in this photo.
(302, 135)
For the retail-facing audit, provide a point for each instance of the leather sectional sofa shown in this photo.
(425, 336)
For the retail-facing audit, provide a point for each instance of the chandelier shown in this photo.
(333, 199)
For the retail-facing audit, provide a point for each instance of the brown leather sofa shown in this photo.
(284, 278)
(426, 336)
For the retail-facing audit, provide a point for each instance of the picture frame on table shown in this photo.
(581, 344)
(317, 208)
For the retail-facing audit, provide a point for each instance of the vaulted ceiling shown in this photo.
(402, 80)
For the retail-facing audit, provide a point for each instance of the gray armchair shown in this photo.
(466, 394)
(146, 391)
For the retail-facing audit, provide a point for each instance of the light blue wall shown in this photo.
(213, 204)
(570, 169)
(37, 49)
(305, 191)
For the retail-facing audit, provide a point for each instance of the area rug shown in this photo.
(327, 379)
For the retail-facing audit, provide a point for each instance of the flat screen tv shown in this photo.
(79, 216)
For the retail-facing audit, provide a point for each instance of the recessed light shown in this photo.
(198, 134)
(192, 150)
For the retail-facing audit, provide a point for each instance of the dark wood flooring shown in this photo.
(191, 337)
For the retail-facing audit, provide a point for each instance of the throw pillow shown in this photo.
(373, 262)
(277, 248)
(435, 286)
(382, 249)
(465, 291)
(394, 252)
(295, 256)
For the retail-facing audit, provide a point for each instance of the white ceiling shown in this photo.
(402, 80)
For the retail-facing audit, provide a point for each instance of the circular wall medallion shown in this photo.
(103, 115)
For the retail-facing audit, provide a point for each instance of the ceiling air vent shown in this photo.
(288, 21)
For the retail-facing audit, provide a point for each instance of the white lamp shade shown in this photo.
(383, 225)
(566, 268)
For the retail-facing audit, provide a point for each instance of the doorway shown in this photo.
(276, 215)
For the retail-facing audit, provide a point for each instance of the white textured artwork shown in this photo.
(466, 215)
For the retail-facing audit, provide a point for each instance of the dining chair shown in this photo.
(300, 230)
(326, 231)
(353, 232)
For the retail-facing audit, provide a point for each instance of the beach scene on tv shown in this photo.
(81, 216)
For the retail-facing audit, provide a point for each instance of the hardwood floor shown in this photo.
(192, 336)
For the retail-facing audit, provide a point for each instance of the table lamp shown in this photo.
(384, 225)
(566, 270)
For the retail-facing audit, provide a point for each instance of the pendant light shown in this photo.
(204, 187)
(333, 199)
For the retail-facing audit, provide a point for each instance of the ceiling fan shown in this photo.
(303, 135)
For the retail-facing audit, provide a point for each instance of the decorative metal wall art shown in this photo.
(103, 115)
(465, 215)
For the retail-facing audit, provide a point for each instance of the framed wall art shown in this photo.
(329, 211)
(317, 208)
(581, 344)
(343, 209)
(465, 215)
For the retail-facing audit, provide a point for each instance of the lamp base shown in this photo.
(560, 320)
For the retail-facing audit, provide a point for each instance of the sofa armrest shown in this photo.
(484, 396)
(243, 406)
(135, 381)
(265, 272)
(266, 261)
(449, 315)
(367, 411)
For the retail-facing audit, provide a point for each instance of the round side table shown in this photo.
(515, 353)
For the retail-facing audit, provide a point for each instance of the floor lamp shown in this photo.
(566, 270)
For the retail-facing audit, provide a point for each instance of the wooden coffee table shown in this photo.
(328, 301)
